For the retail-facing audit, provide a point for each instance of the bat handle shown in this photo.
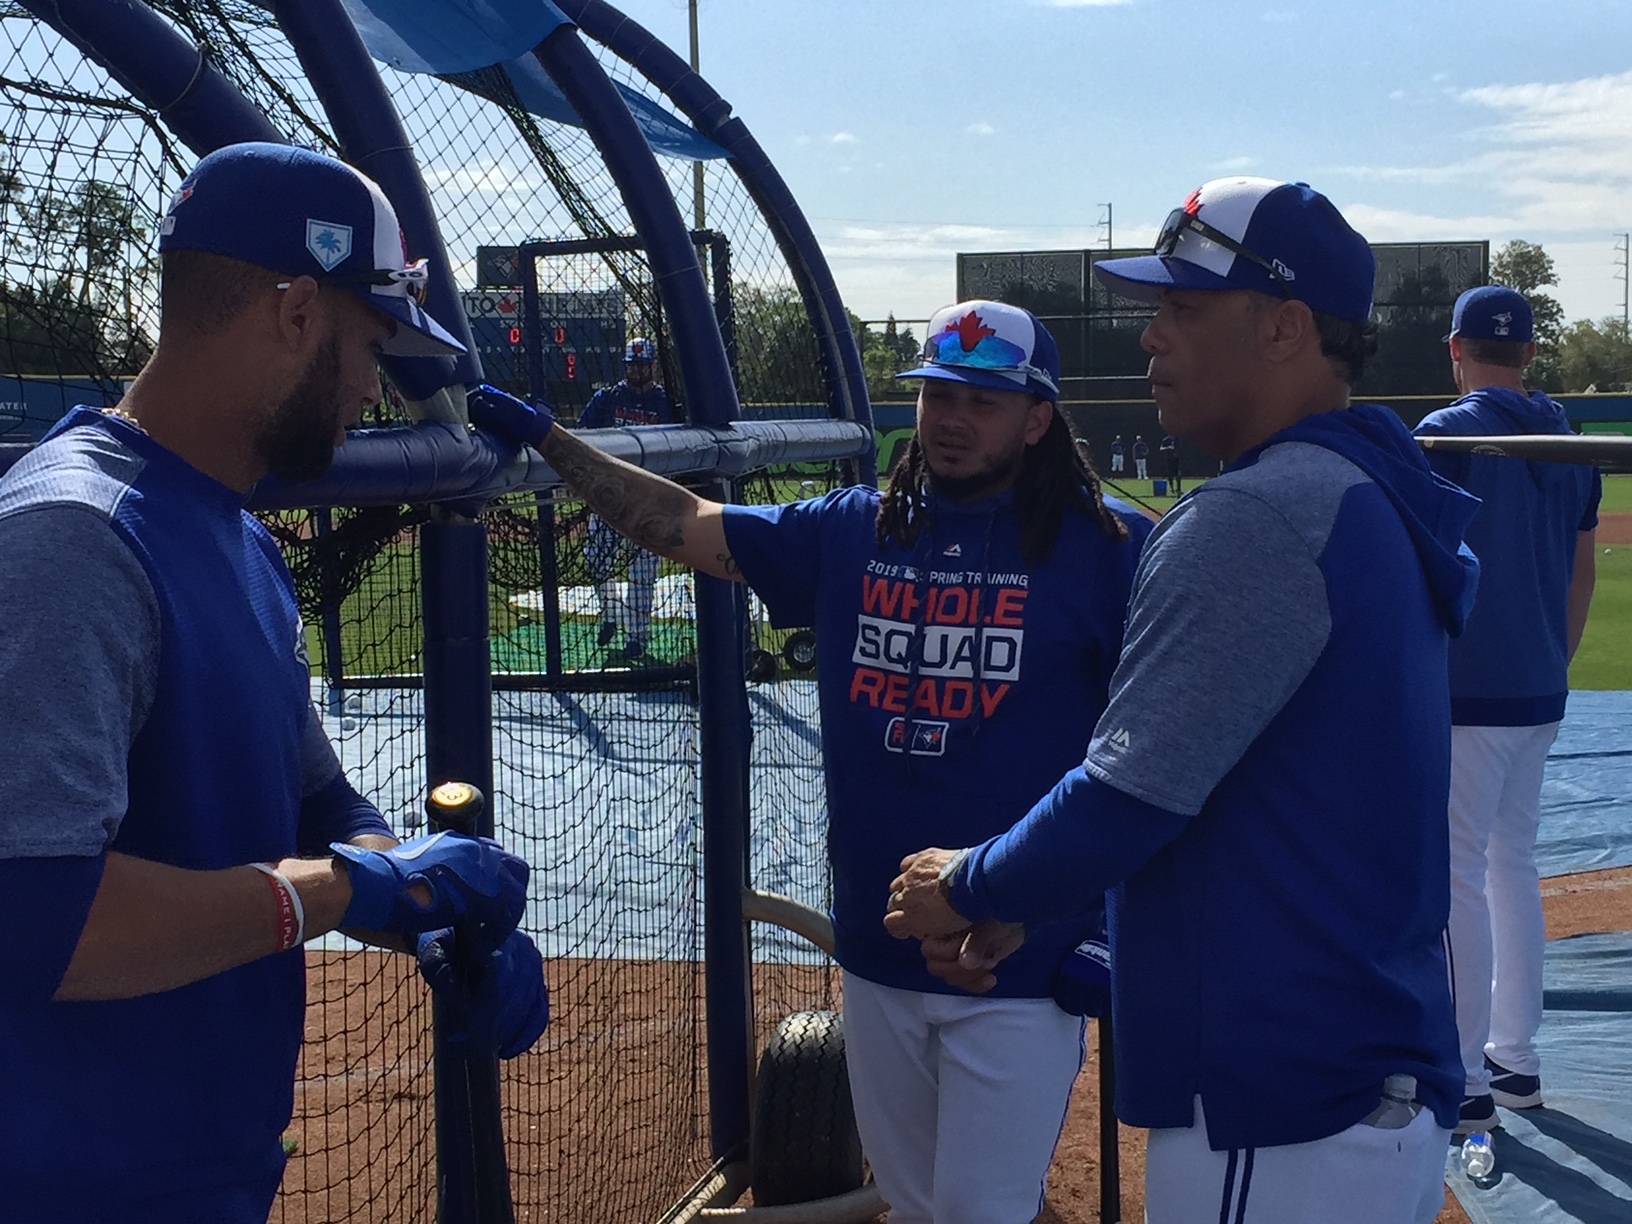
(455, 807)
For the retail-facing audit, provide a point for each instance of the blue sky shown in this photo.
(910, 131)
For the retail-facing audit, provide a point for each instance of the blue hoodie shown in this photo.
(1511, 667)
(1280, 717)
(957, 683)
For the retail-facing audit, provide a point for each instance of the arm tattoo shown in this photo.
(643, 506)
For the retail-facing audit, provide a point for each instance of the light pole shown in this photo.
(1623, 248)
(1110, 244)
(698, 215)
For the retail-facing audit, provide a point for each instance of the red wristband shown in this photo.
(291, 914)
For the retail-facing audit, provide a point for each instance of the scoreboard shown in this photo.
(582, 334)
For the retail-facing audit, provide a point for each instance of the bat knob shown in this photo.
(456, 806)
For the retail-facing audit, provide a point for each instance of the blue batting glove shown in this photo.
(501, 413)
(473, 881)
(501, 1003)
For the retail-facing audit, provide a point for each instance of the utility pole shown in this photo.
(1623, 248)
(1105, 224)
(698, 216)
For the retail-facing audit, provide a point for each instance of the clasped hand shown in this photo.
(472, 882)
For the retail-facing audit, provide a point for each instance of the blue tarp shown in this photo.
(1586, 795)
(452, 37)
(1569, 1162)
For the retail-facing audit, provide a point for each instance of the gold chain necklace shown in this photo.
(115, 411)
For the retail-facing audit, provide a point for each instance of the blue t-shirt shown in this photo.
(1511, 667)
(156, 671)
(620, 404)
(956, 683)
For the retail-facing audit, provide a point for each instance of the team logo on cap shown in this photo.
(1504, 323)
(328, 242)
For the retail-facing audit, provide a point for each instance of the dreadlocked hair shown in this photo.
(1054, 478)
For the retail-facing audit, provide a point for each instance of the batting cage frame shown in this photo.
(434, 462)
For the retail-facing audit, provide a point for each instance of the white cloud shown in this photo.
(1235, 163)
(980, 129)
(843, 138)
(1396, 94)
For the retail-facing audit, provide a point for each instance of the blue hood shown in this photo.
(1435, 512)
(1522, 414)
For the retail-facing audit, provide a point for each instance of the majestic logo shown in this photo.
(1503, 321)
(1120, 739)
(329, 243)
(920, 737)
(952, 550)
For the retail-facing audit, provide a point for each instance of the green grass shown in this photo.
(1617, 493)
(1604, 659)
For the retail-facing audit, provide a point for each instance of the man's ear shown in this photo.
(1038, 418)
(299, 314)
(1286, 328)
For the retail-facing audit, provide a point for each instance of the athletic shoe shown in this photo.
(634, 647)
(609, 630)
(1510, 1089)
(1478, 1114)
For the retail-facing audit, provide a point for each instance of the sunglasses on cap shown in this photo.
(1179, 220)
(948, 350)
(415, 279)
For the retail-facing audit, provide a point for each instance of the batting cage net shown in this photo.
(596, 764)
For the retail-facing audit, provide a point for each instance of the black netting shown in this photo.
(596, 753)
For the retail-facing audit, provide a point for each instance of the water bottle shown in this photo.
(1478, 1157)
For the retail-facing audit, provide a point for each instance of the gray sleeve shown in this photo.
(79, 655)
(1229, 613)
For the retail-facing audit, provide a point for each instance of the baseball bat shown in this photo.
(1603, 449)
(473, 1176)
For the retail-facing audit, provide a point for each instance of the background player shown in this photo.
(164, 741)
(638, 399)
(1118, 456)
(1141, 458)
(1509, 680)
(969, 619)
(1268, 781)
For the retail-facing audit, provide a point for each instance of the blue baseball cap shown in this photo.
(1283, 239)
(990, 344)
(291, 210)
(639, 349)
(1492, 312)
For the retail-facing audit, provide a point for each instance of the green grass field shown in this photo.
(1604, 660)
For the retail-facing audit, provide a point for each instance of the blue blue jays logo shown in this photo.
(927, 738)
(328, 242)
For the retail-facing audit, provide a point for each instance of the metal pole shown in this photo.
(698, 218)
(1110, 232)
(1624, 249)
(1110, 1151)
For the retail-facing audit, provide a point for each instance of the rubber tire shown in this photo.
(804, 1144)
(761, 667)
(800, 650)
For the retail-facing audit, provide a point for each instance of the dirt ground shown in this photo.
(1615, 527)
(599, 1128)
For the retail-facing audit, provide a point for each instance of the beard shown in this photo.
(998, 473)
(296, 442)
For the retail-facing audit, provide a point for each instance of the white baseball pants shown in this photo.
(1497, 934)
(959, 1099)
(1363, 1175)
(626, 605)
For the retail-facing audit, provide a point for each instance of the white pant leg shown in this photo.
(1363, 1175)
(1513, 889)
(601, 551)
(1140, 464)
(1116, 463)
(642, 586)
(1476, 786)
(959, 1099)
